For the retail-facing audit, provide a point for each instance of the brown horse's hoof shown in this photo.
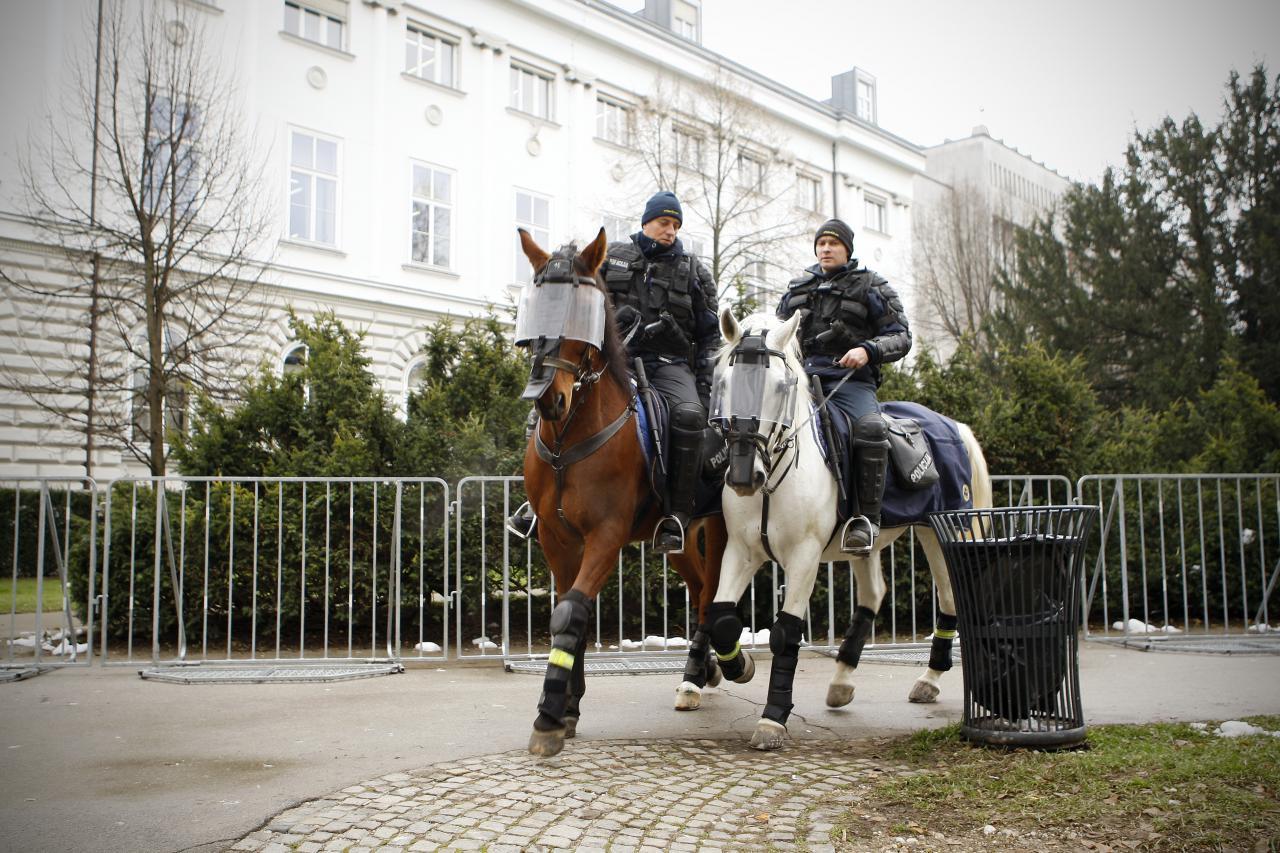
(546, 744)
(570, 727)
(748, 668)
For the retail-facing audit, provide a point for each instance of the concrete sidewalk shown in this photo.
(100, 760)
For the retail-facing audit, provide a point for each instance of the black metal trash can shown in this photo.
(1016, 576)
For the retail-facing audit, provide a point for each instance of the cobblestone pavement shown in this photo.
(615, 795)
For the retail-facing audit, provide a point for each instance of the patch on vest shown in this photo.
(619, 264)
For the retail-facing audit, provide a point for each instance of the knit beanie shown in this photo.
(835, 228)
(663, 204)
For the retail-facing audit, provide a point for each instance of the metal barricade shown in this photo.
(503, 592)
(49, 527)
(1183, 554)
(221, 569)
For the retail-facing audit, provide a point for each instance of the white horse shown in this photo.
(780, 503)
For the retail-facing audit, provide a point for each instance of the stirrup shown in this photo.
(859, 536)
(522, 521)
(659, 531)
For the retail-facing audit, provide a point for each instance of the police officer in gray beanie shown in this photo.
(853, 322)
(665, 304)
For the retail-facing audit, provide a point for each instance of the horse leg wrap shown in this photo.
(695, 668)
(568, 627)
(944, 634)
(726, 629)
(578, 679)
(871, 461)
(784, 642)
(864, 619)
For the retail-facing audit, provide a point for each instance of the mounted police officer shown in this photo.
(853, 323)
(665, 305)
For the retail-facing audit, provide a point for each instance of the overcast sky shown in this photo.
(1065, 82)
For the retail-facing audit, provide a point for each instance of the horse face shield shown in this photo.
(750, 404)
(560, 305)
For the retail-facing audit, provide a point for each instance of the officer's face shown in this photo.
(831, 253)
(661, 228)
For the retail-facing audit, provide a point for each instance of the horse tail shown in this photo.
(980, 475)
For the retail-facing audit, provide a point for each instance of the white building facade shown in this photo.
(405, 143)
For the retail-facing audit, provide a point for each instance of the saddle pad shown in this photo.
(707, 495)
(903, 505)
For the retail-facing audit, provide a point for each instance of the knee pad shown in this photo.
(784, 637)
(688, 417)
(568, 620)
(871, 430)
(726, 624)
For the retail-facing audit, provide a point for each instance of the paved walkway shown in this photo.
(620, 795)
(101, 760)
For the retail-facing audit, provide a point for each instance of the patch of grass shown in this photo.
(1157, 787)
(27, 595)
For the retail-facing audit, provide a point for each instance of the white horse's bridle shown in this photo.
(770, 447)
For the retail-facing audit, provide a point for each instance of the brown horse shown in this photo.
(586, 478)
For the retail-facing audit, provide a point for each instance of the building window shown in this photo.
(320, 21)
(531, 92)
(170, 173)
(688, 149)
(293, 360)
(432, 216)
(684, 20)
(313, 188)
(616, 228)
(429, 56)
(874, 217)
(808, 192)
(866, 100)
(613, 121)
(415, 379)
(750, 172)
(533, 214)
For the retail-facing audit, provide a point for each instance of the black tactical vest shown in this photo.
(670, 289)
(838, 311)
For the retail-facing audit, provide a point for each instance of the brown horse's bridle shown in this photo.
(559, 457)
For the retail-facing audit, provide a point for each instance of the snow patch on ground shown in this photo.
(1234, 728)
(427, 647)
(1137, 626)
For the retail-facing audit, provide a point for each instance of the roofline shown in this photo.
(696, 49)
(1004, 145)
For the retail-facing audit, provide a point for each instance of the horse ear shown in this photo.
(780, 338)
(729, 327)
(593, 256)
(537, 258)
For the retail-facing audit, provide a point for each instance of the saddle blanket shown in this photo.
(706, 499)
(954, 489)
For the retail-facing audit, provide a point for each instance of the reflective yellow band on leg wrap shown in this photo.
(559, 657)
(737, 647)
(945, 635)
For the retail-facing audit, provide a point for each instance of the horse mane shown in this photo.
(616, 361)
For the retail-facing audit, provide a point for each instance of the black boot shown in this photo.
(683, 463)
(870, 461)
(522, 521)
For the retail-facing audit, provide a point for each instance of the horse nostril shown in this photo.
(757, 478)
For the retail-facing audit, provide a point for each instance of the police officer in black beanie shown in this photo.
(665, 303)
(853, 321)
(670, 299)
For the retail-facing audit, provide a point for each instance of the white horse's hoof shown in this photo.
(748, 669)
(688, 697)
(924, 691)
(570, 727)
(839, 695)
(546, 744)
(714, 676)
(768, 735)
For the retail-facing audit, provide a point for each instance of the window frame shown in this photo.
(540, 233)
(870, 200)
(313, 174)
(303, 9)
(433, 205)
(748, 161)
(547, 79)
(627, 112)
(684, 132)
(422, 30)
(810, 199)
(161, 147)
